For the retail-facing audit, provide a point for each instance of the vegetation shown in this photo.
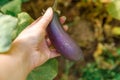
(93, 24)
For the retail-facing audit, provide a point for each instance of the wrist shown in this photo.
(14, 66)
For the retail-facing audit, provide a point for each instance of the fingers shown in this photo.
(47, 19)
(48, 41)
(65, 27)
(62, 19)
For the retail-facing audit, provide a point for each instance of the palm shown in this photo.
(43, 53)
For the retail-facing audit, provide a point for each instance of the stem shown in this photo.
(55, 5)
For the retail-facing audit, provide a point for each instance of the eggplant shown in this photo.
(62, 42)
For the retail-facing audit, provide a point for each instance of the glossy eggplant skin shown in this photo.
(62, 42)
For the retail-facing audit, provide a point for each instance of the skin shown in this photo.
(29, 50)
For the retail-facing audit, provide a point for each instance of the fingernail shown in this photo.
(63, 17)
(65, 27)
(49, 9)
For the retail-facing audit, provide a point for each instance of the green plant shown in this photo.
(114, 9)
(105, 69)
(106, 65)
(93, 72)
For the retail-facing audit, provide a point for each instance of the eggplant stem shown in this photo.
(55, 5)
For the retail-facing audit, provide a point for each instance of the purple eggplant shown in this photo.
(62, 42)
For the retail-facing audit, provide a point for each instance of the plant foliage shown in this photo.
(114, 9)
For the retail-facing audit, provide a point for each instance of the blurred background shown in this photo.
(96, 32)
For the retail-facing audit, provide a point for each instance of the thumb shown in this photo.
(38, 28)
(44, 21)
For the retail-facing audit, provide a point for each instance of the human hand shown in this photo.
(29, 50)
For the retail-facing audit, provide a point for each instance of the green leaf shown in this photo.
(0, 14)
(116, 31)
(7, 26)
(25, 0)
(45, 72)
(12, 8)
(24, 21)
(117, 77)
(2, 2)
(118, 51)
(114, 9)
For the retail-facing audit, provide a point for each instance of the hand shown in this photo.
(29, 50)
